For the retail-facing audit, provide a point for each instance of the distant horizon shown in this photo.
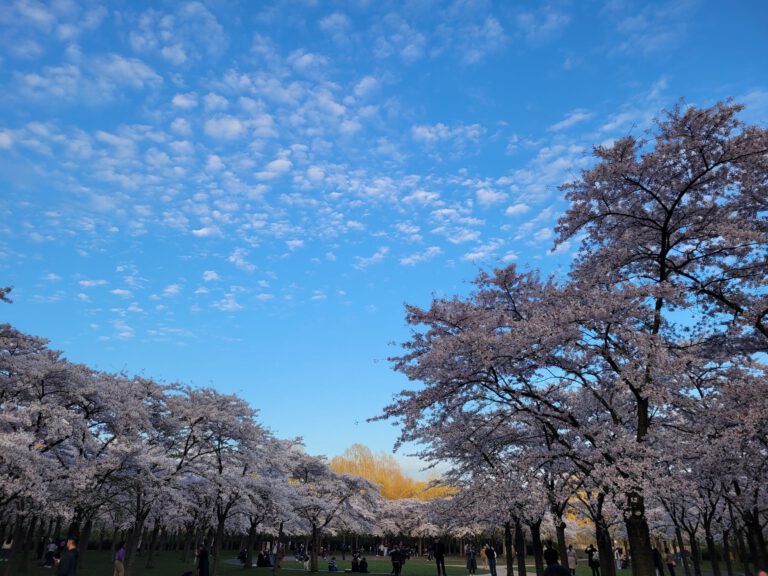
(245, 196)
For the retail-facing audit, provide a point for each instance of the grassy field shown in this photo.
(168, 564)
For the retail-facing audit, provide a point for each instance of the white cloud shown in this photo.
(228, 303)
(238, 258)
(294, 244)
(366, 86)
(318, 295)
(423, 197)
(122, 330)
(92, 283)
(185, 101)
(6, 140)
(517, 209)
(484, 252)
(543, 25)
(215, 102)
(224, 128)
(172, 290)
(488, 196)
(122, 293)
(376, 258)
(571, 119)
(419, 257)
(51, 277)
(175, 54)
(206, 231)
(274, 169)
(210, 276)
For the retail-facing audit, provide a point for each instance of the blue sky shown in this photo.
(244, 194)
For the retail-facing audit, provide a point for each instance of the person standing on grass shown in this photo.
(469, 553)
(67, 564)
(119, 560)
(593, 562)
(571, 556)
(203, 568)
(490, 554)
(669, 559)
(440, 557)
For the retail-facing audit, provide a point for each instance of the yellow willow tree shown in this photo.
(384, 470)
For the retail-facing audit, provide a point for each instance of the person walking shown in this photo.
(490, 554)
(119, 560)
(67, 564)
(440, 557)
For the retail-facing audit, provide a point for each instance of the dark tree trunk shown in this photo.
(16, 546)
(562, 548)
(604, 548)
(714, 556)
(218, 544)
(315, 548)
(681, 546)
(538, 549)
(727, 552)
(520, 547)
(639, 537)
(152, 544)
(510, 557)
(250, 543)
(82, 545)
(695, 553)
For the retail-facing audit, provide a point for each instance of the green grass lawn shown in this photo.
(168, 564)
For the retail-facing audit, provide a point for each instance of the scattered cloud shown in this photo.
(376, 258)
(419, 257)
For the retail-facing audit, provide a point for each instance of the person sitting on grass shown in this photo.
(332, 565)
(363, 565)
(355, 563)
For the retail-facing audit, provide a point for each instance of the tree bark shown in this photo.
(510, 557)
(538, 549)
(681, 546)
(604, 548)
(152, 544)
(520, 548)
(82, 545)
(639, 537)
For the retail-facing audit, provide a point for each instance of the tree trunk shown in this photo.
(16, 546)
(695, 553)
(755, 539)
(315, 548)
(538, 549)
(82, 545)
(152, 543)
(562, 548)
(604, 548)
(277, 552)
(520, 547)
(727, 552)
(714, 557)
(681, 546)
(249, 544)
(639, 537)
(218, 543)
(509, 556)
